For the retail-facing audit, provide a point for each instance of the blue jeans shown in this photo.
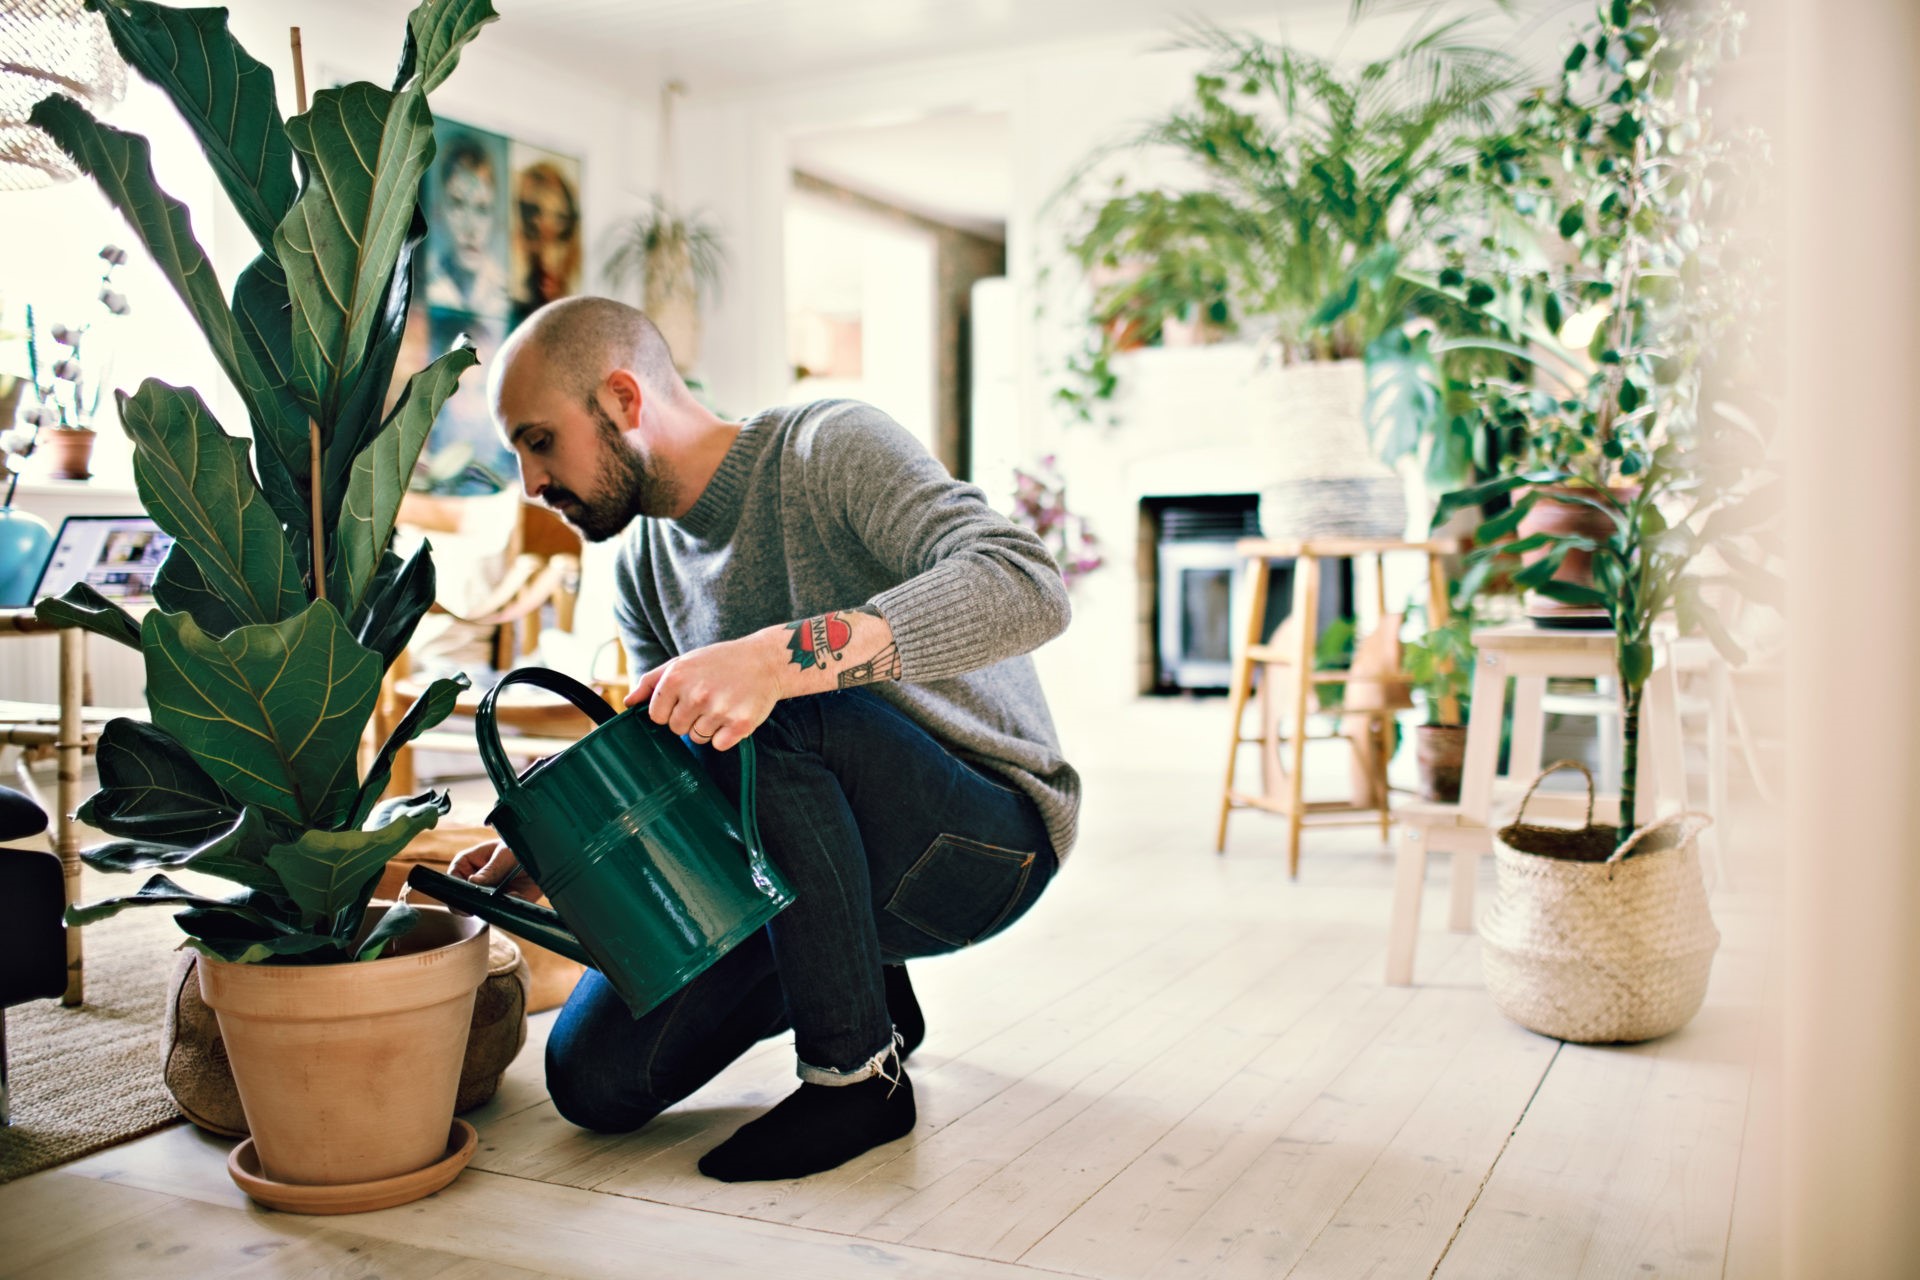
(894, 848)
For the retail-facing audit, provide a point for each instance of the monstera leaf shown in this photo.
(82, 606)
(380, 476)
(273, 712)
(122, 166)
(223, 93)
(152, 790)
(325, 872)
(195, 483)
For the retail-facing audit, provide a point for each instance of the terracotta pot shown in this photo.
(71, 451)
(1439, 750)
(1552, 516)
(553, 976)
(347, 1072)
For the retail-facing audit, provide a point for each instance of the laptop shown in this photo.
(118, 556)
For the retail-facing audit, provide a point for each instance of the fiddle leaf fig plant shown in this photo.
(282, 602)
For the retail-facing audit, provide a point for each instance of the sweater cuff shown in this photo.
(938, 630)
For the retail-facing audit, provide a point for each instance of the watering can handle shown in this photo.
(492, 754)
(500, 770)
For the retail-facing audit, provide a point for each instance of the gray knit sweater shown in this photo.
(832, 505)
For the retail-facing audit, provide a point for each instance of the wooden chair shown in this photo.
(537, 591)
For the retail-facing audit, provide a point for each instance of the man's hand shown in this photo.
(723, 692)
(489, 863)
(717, 694)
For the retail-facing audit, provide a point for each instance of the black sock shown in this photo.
(904, 1009)
(818, 1127)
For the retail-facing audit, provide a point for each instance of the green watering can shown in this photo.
(650, 878)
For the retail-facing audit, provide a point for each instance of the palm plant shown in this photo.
(282, 602)
(1307, 185)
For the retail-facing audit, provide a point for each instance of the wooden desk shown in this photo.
(69, 745)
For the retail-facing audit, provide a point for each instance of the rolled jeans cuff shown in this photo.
(877, 1065)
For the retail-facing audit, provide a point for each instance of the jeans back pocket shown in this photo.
(961, 890)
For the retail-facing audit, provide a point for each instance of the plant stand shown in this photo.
(1528, 655)
(1283, 665)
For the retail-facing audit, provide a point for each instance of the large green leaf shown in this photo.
(428, 710)
(121, 164)
(436, 32)
(401, 593)
(358, 419)
(273, 711)
(82, 606)
(237, 854)
(263, 314)
(380, 476)
(152, 790)
(366, 150)
(326, 871)
(159, 891)
(180, 587)
(194, 480)
(225, 95)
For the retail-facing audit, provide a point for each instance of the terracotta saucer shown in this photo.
(243, 1166)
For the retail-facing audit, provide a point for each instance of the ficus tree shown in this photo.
(282, 602)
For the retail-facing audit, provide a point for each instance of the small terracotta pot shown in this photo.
(1439, 750)
(71, 451)
(347, 1072)
(1552, 516)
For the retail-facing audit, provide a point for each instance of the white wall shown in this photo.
(1062, 102)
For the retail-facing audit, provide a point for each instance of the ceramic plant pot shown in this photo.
(70, 452)
(347, 1072)
(1550, 515)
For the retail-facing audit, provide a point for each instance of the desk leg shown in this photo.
(1476, 777)
(73, 667)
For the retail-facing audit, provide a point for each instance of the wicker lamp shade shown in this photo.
(50, 46)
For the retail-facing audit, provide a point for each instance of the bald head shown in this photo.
(582, 340)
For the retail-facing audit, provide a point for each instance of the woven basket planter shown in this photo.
(1586, 944)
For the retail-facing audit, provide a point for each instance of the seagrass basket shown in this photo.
(1587, 944)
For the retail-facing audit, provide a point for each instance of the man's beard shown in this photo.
(626, 488)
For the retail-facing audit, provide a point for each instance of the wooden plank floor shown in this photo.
(1178, 1065)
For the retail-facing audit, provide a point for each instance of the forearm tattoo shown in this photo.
(823, 640)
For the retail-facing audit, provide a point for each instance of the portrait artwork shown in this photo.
(503, 238)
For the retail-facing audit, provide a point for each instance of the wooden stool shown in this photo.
(1530, 655)
(1293, 661)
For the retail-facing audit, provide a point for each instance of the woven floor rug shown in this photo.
(86, 1078)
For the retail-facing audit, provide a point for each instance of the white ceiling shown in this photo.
(722, 45)
(953, 168)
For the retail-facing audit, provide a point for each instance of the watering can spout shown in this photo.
(529, 920)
